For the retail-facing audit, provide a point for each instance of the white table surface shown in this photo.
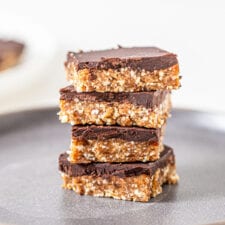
(192, 29)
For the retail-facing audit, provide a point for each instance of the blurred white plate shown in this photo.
(40, 48)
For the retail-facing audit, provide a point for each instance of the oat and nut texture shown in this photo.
(113, 150)
(114, 113)
(139, 188)
(122, 80)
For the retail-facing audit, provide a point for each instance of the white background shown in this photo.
(195, 30)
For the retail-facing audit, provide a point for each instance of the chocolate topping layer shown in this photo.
(146, 99)
(136, 134)
(115, 169)
(147, 58)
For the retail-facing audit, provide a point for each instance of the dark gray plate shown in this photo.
(30, 191)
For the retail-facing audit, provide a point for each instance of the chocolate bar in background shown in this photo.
(10, 52)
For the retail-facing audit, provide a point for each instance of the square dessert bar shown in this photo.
(144, 109)
(115, 144)
(123, 70)
(126, 181)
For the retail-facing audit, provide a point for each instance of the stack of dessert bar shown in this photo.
(118, 105)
